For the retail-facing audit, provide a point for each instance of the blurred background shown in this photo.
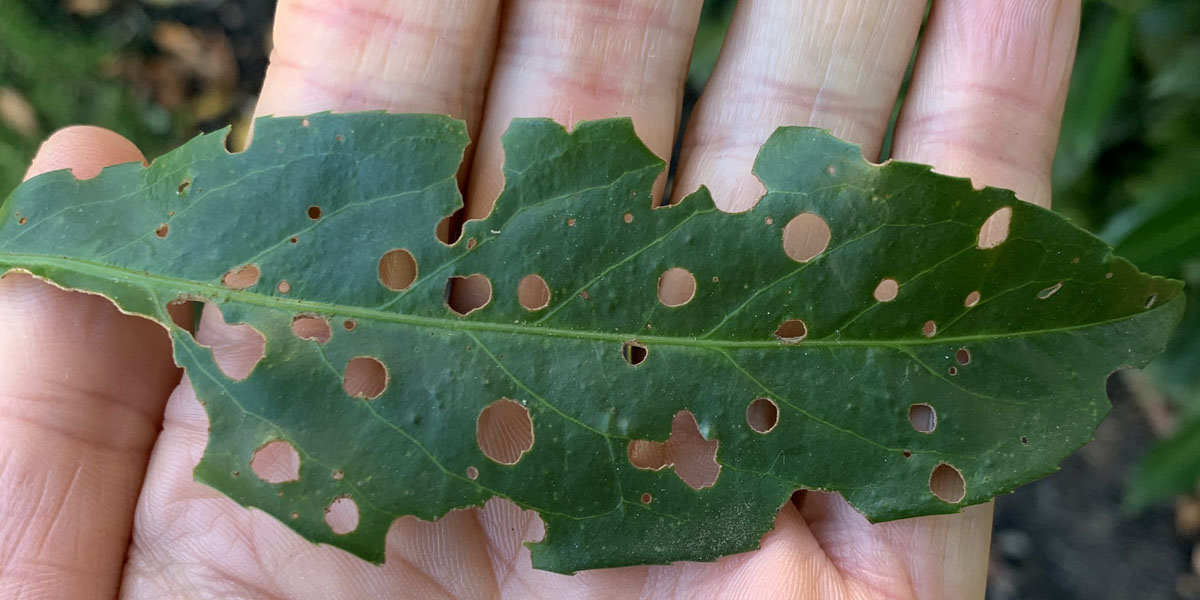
(1121, 519)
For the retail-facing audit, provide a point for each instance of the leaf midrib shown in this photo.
(22, 261)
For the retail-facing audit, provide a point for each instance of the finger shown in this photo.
(425, 56)
(943, 556)
(986, 102)
(988, 92)
(836, 64)
(573, 61)
(81, 394)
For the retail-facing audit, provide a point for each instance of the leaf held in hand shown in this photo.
(879, 331)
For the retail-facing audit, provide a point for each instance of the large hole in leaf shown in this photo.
(693, 457)
(342, 515)
(465, 295)
(947, 483)
(308, 327)
(791, 331)
(762, 415)
(236, 348)
(276, 462)
(963, 356)
(922, 417)
(365, 377)
(504, 431)
(676, 287)
(241, 278)
(994, 230)
(397, 269)
(805, 237)
(533, 293)
(634, 353)
(887, 290)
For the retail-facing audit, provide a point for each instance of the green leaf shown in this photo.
(1009, 344)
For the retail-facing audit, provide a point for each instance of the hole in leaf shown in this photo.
(906, 454)
(162, 231)
(397, 269)
(929, 329)
(946, 482)
(647, 498)
(805, 237)
(241, 278)
(307, 327)
(284, 287)
(634, 353)
(628, 218)
(533, 293)
(887, 290)
(504, 431)
(762, 415)
(276, 462)
(963, 356)
(952, 371)
(1046, 293)
(294, 240)
(338, 474)
(791, 331)
(314, 212)
(450, 228)
(972, 299)
(995, 229)
(304, 122)
(676, 287)
(183, 186)
(236, 348)
(1024, 440)
(694, 458)
(472, 473)
(349, 324)
(1150, 300)
(922, 417)
(22, 221)
(342, 515)
(365, 377)
(465, 295)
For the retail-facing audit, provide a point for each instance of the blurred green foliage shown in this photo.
(61, 68)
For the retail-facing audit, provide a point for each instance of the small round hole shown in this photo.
(241, 278)
(365, 377)
(947, 484)
(342, 516)
(676, 287)
(349, 324)
(647, 498)
(971, 300)
(162, 231)
(397, 269)
(805, 237)
(994, 230)
(465, 295)
(762, 415)
(922, 417)
(887, 290)
(533, 293)
(283, 287)
(634, 353)
(472, 473)
(276, 462)
(791, 331)
(504, 431)
(314, 212)
(929, 329)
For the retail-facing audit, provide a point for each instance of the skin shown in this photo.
(96, 450)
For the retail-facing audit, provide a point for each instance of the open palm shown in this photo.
(96, 489)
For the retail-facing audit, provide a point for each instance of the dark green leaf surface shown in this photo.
(1056, 314)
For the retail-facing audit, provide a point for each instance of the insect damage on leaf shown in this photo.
(655, 382)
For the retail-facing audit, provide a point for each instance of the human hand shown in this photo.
(95, 497)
